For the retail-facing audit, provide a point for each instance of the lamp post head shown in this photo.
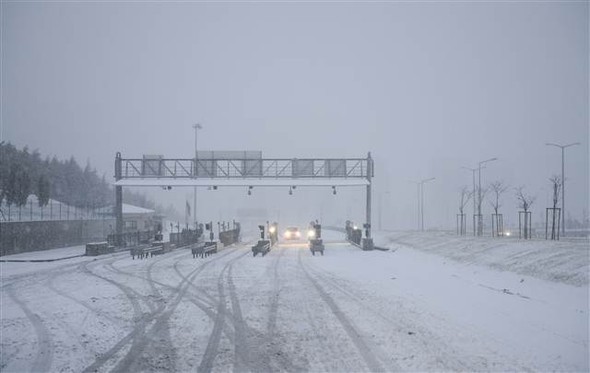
(487, 160)
(562, 146)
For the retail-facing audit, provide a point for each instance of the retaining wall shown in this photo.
(18, 237)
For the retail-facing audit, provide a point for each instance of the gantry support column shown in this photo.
(368, 240)
(118, 201)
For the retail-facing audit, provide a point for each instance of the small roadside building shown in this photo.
(137, 218)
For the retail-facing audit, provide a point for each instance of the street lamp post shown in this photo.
(381, 207)
(418, 189)
(380, 195)
(473, 195)
(473, 191)
(479, 217)
(422, 201)
(563, 181)
(196, 127)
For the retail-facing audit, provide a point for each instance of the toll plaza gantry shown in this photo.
(242, 168)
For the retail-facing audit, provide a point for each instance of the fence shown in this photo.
(54, 210)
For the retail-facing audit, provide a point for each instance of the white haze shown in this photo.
(426, 87)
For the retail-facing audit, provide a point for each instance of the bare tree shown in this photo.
(466, 195)
(497, 188)
(556, 184)
(525, 201)
(480, 194)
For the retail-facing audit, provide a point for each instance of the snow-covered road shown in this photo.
(401, 310)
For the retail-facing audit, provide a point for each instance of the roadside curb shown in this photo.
(38, 260)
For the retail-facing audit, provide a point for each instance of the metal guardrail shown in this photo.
(262, 247)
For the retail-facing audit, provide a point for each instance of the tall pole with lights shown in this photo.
(196, 127)
(473, 191)
(418, 214)
(563, 147)
(422, 182)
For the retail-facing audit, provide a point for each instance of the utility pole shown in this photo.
(196, 127)
(563, 181)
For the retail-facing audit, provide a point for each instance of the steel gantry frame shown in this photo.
(249, 169)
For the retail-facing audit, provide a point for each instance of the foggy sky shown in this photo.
(426, 87)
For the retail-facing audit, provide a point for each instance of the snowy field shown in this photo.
(433, 302)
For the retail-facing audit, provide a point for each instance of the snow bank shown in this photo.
(565, 261)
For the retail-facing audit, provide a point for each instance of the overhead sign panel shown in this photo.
(206, 168)
(252, 167)
(335, 167)
(229, 163)
(303, 167)
(152, 166)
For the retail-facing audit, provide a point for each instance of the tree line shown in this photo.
(23, 173)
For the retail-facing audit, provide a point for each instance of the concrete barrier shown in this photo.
(99, 248)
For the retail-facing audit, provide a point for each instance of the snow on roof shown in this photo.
(130, 209)
(33, 199)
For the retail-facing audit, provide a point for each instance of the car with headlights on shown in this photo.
(292, 233)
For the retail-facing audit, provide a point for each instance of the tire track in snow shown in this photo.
(203, 293)
(137, 332)
(370, 359)
(145, 278)
(212, 348)
(159, 349)
(155, 293)
(275, 358)
(274, 301)
(423, 339)
(36, 277)
(241, 352)
(133, 359)
(160, 332)
(251, 352)
(140, 343)
(201, 299)
(43, 360)
(131, 294)
(98, 312)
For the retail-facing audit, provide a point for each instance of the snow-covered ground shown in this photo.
(432, 302)
(565, 261)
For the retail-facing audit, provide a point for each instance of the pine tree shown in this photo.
(43, 191)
